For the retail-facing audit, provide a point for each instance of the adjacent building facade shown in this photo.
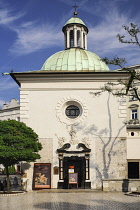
(88, 140)
(10, 111)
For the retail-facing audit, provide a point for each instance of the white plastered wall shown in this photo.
(104, 119)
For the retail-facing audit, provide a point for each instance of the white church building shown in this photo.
(89, 142)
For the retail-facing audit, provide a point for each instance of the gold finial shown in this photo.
(75, 12)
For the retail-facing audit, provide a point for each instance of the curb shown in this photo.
(14, 193)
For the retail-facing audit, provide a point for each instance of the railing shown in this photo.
(133, 122)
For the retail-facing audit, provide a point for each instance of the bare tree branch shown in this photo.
(115, 61)
(133, 31)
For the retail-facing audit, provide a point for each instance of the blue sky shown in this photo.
(31, 31)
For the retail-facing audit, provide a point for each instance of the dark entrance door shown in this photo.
(133, 170)
(79, 167)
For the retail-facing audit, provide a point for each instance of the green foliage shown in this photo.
(11, 170)
(17, 143)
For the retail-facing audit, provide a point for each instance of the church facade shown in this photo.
(93, 139)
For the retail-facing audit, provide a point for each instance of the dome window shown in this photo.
(66, 40)
(71, 38)
(78, 39)
(84, 45)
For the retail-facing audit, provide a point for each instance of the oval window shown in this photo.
(72, 111)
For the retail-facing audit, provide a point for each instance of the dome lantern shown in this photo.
(75, 57)
(75, 33)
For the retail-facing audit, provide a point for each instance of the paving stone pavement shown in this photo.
(70, 201)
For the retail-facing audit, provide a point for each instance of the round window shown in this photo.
(132, 134)
(72, 111)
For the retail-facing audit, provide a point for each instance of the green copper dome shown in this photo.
(75, 20)
(74, 59)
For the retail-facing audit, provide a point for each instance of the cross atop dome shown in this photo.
(75, 12)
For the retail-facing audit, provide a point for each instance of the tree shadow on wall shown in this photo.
(107, 149)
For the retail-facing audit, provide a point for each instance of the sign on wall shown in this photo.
(42, 176)
(71, 170)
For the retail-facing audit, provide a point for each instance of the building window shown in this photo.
(84, 41)
(134, 114)
(133, 170)
(134, 111)
(78, 38)
(71, 38)
(72, 111)
(132, 134)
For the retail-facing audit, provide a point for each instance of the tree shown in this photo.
(17, 143)
(129, 85)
